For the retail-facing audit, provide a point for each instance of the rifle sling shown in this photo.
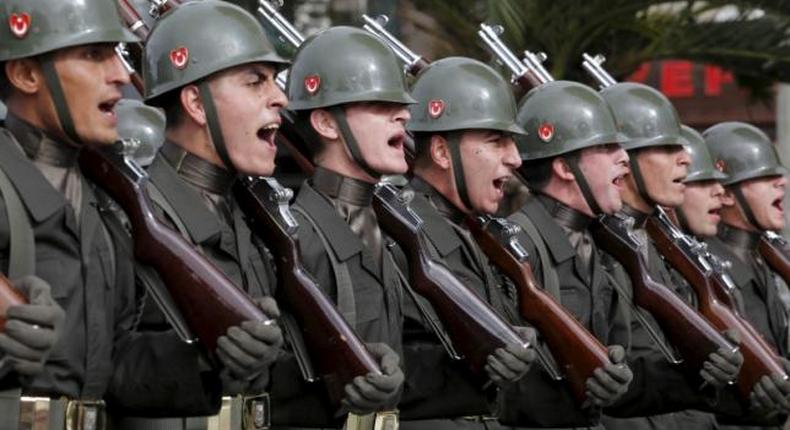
(551, 279)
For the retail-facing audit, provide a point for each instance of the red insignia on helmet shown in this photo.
(312, 83)
(721, 166)
(19, 23)
(179, 57)
(546, 132)
(435, 108)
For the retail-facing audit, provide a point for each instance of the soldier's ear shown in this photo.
(324, 124)
(25, 75)
(560, 169)
(440, 152)
(192, 105)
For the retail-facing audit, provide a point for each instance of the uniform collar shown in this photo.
(640, 218)
(38, 146)
(447, 209)
(197, 171)
(565, 215)
(342, 188)
(554, 236)
(738, 238)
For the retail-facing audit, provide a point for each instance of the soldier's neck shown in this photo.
(565, 215)
(197, 171)
(343, 188)
(40, 146)
(732, 216)
(633, 199)
(739, 238)
(194, 139)
(640, 217)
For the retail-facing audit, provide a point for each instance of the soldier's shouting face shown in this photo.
(91, 77)
(663, 168)
(380, 131)
(248, 104)
(604, 167)
(489, 158)
(765, 197)
(701, 206)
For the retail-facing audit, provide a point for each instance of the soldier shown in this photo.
(222, 108)
(752, 203)
(61, 81)
(459, 129)
(574, 167)
(142, 124)
(659, 166)
(349, 95)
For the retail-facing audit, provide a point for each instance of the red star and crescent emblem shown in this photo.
(721, 166)
(19, 23)
(435, 108)
(546, 132)
(179, 57)
(312, 83)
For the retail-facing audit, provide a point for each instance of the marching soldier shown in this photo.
(754, 182)
(574, 168)
(61, 81)
(459, 129)
(349, 95)
(659, 166)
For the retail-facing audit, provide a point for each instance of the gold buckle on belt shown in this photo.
(479, 418)
(384, 420)
(243, 413)
(85, 415)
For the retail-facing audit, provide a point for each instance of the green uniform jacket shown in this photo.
(436, 385)
(537, 400)
(377, 299)
(89, 267)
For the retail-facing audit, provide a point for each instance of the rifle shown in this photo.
(710, 282)
(9, 296)
(341, 355)
(132, 53)
(775, 250)
(686, 329)
(412, 62)
(527, 72)
(473, 326)
(578, 352)
(197, 286)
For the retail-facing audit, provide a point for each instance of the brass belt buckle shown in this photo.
(34, 413)
(256, 412)
(385, 420)
(85, 415)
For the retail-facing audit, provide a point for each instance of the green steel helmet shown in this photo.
(459, 93)
(344, 65)
(142, 123)
(35, 27)
(562, 117)
(742, 151)
(644, 115)
(701, 167)
(198, 39)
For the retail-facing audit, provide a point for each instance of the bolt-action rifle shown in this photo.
(707, 275)
(527, 72)
(576, 350)
(9, 296)
(775, 250)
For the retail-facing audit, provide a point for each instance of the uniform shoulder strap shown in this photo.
(345, 287)
(22, 244)
(551, 280)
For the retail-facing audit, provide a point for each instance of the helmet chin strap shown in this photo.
(746, 209)
(59, 98)
(214, 128)
(339, 113)
(584, 186)
(639, 180)
(454, 144)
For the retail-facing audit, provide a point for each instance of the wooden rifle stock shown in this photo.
(208, 300)
(776, 252)
(338, 353)
(693, 336)
(576, 350)
(9, 296)
(759, 359)
(473, 326)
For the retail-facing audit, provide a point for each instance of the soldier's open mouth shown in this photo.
(499, 183)
(108, 107)
(778, 204)
(397, 141)
(268, 133)
(618, 181)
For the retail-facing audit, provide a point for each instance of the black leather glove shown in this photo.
(31, 330)
(510, 364)
(374, 392)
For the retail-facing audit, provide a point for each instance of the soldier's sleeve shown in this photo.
(155, 374)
